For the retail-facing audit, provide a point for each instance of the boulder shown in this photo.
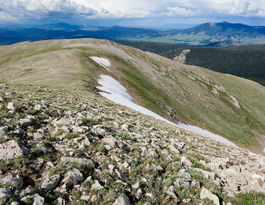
(10, 181)
(11, 106)
(205, 193)
(75, 174)
(5, 193)
(51, 183)
(122, 200)
(186, 162)
(96, 186)
(10, 149)
(38, 200)
(173, 149)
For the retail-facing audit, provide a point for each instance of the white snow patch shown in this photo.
(102, 61)
(206, 133)
(264, 149)
(115, 92)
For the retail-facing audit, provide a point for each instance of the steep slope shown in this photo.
(246, 63)
(226, 105)
(69, 146)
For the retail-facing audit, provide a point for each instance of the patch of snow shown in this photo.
(264, 149)
(205, 133)
(102, 61)
(115, 92)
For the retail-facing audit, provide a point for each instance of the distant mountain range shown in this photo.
(222, 34)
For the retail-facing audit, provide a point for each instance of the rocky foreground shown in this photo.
(65, 146)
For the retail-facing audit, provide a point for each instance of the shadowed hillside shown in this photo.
(242, 61)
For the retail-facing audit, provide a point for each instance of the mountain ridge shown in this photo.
(200, 97)
(203, 34)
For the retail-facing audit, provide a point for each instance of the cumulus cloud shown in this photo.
(243, 7)
(176, 11)
(44, 8)
(100, 9)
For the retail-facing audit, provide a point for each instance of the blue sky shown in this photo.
(134, 13)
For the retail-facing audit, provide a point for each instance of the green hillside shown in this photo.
(151, 46)
(226, 105)
(251, 47)
(240, 62)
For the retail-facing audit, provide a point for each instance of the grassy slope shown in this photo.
(151, 47)
(251, 47)
(244, 63)
(175, 91)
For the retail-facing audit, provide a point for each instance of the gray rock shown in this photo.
(182, 182)
(144, 151)
(120, 174)
(10, 150)
(184, 174)
(205, 193)
(51, 183)
(153, 154)
(24, 192)
(59, 201)
(10, 181)
(78, 160)
(41, 150)
(75, 174)
(3, 132)
(5, 193)
(186, 162)
(38, 134)
(66, 120)
(125, 127)
(11, 106)
(173, 149)
(110, 141)
(85, 197)
(154, 144)
(171, 192)
(195, 184)
(25, 122)
(121, 145)
(181, 58)
(122, 200)
(37, 107)
(96, 186)
(136, 185)
(95, 198)
(38, 200)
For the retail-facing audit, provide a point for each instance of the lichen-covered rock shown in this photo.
(75, 174)
(205, 193)
(9, 150)
(51, 183)
(122, 200)
(10, 181)
(5, 193)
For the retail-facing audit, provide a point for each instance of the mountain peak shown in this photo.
(224, 22)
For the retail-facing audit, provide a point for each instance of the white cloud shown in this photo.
(98, 9)
(44, 8)
(176, 11)
(243, 7)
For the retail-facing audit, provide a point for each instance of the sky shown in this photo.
(134, 13)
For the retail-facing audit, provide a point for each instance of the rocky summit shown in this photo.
(70, 146)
